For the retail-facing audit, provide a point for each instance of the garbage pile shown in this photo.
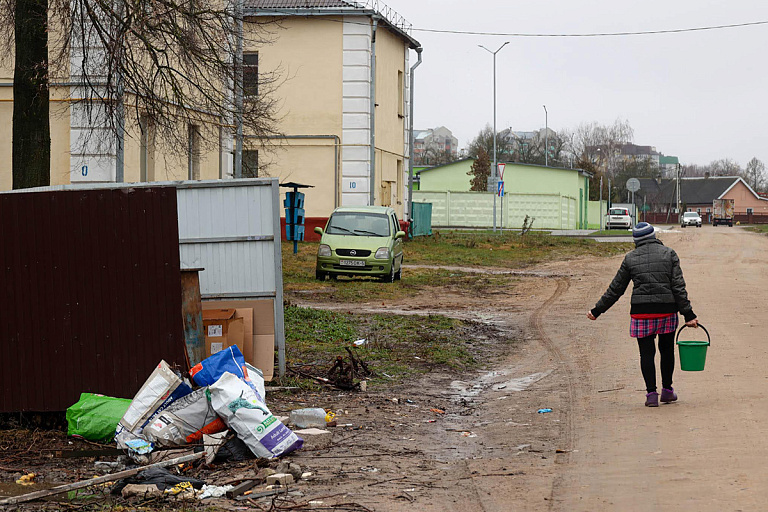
(217, 413)
(168, 412)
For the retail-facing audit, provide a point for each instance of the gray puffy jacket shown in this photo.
(658, 282)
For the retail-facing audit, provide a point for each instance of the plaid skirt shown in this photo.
(643, 327)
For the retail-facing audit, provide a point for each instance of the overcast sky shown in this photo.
(699, 96)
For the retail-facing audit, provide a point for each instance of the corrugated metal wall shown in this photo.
(231, 228)
(90, 296)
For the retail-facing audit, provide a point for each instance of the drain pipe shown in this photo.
(372, 186)
(411, 139)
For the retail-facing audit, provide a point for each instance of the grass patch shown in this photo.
(612, 232)
(397, 345)
(758, 229)
(444, 248)
(507, 250)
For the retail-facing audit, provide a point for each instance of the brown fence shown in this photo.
(90, 296)
(751, 218)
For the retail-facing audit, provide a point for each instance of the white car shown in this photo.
(690, 219)
(618, 218)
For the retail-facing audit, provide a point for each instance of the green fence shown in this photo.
(421, 225)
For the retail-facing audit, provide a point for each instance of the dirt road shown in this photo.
(599, 448)
(706, 452)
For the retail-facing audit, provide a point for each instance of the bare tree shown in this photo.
(755, 174)
(600, 144)
(433, 155)
(164, 64)
(725, 167)
(484, 141)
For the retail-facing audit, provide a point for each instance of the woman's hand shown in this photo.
(591, 316)
(692, 323)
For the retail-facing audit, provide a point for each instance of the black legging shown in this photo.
(648, 354)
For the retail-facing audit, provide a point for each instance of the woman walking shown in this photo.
(658, 295)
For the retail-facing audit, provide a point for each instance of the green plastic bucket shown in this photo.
(693, 354)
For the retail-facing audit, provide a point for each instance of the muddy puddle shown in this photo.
(499, 380)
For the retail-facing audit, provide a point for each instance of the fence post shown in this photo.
(447, 208)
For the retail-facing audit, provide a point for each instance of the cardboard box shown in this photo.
(222, 329)
(262, 348)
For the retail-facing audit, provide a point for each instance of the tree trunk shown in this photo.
(31, 127)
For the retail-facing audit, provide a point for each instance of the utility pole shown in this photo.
(600, 208)
(546, 138)
(495, 163)
(677, 187)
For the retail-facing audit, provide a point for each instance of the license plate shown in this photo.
(352, 263)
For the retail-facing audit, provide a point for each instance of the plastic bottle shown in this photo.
(308, 418)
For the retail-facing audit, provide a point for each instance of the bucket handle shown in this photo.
(709, 341)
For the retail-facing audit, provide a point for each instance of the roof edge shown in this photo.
(253, 12)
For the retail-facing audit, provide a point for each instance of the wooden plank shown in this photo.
(241, 488)
(96, 481)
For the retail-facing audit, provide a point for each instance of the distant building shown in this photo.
(427, 144)
(668, 166)
(697, 194)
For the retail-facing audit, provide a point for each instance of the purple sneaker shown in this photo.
(668, 395)
(652, 399)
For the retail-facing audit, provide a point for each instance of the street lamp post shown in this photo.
(546, 136)
(495, 163)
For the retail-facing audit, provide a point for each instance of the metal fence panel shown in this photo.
(422, 219)
(89, 294)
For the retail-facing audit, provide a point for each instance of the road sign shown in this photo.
(501, 171)
(633, 184)
(501, 189)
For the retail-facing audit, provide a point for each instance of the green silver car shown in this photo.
(361, 241)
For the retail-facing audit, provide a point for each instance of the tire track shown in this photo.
(568, 434)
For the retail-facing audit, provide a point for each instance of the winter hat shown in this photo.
(643, 231)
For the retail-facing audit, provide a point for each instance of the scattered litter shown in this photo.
(28, 479)
(214, 491)
(138, 446)
(311, 417)
(544, 411)
(361, 341)
(369, 469)
(306, 475)
(468, 434)
(438, 411)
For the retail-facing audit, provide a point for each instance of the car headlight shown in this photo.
(382, 253)
(323, 250)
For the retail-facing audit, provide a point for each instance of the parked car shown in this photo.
(361, 241)
(618, 218)
(690, 219)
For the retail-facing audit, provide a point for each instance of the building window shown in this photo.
(250, 74)
(749, 211)
(709, 210)
(698, 210)
(193, 152)
(250, 163)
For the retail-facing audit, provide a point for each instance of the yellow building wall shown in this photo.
(390, 119)
(307, 55)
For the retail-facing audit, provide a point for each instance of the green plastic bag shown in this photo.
(95, 417)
